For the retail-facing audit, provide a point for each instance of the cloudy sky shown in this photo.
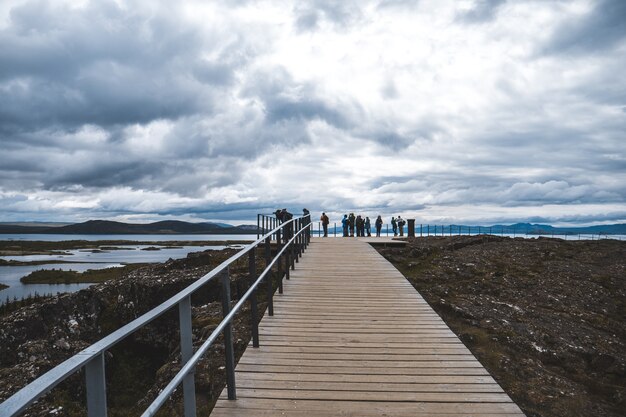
(458, 111)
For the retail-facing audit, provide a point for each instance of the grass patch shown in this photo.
(57, 276)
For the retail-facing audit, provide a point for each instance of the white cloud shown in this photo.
(195, 110)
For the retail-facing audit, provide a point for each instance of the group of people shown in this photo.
(350, 223)
(362, 225)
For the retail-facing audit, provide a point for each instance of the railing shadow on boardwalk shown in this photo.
(291, 237)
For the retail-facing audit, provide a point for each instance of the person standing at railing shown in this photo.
(344, 225)
(394, 226)
(306, 218)
(351, 223)
(284, 216)
(368, 226)
(359, 226)
(401, 224)
(379, 225)
(325, 220)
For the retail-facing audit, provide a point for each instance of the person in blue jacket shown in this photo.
(344, 224)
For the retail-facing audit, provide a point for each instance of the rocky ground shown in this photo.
(546, 317)
(35, 338)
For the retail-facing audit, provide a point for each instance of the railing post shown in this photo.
(268, 278)
(411, 228)
(287, 255)
(96, 387)
(298, 240)
(228, 339)
(302, 236)
(279, 264)
(254, 307)
(186, 352)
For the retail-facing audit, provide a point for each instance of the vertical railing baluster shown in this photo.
(254, 307)
(268, 278)
(292, 254)
(228, 339)
(297, 241)
(186, 352)
(96, 387)
(279, 265)
(301, 236)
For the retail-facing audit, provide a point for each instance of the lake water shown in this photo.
(142, 238)
(10, 275)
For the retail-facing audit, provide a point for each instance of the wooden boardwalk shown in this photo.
(351, 337)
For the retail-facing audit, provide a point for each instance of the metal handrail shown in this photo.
(92, 357)
(191, 363)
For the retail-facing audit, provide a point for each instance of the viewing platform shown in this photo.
(350, 336)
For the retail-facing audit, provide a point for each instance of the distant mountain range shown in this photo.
(105, 227)
(545, 229)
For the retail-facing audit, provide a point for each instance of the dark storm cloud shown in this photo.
(286, 101)
(338, 13)
(104, 174)
(601, 29)
(102, 65)
(481, 11)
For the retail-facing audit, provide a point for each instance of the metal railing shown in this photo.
(292, 237)
(427, 230)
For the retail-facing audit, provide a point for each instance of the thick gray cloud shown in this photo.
(99, 65)
(481, 11)
(311, 14)
(446, 111)
(602, 28)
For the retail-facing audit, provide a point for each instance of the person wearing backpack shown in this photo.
(379, 225)
(325, 220)
(351, 223)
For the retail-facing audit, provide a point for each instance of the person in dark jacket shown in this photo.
(359, 226)
(325, 220)
(351, 223)
(379, 225)
(368, 227)
(394, 226)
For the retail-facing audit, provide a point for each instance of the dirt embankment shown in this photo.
(36, 338)
(546, 317)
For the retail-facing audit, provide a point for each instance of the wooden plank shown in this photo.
(353, 349)
(351, 356)
(236, 412)
(360, 344)
(252, 383)
(355, 370)
(378, 408)
(367, 378)
(372, 396)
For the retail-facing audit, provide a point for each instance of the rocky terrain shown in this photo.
(546, 317)
(35, 338)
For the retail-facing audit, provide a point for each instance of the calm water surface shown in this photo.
(85, 259)
(142, 238)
